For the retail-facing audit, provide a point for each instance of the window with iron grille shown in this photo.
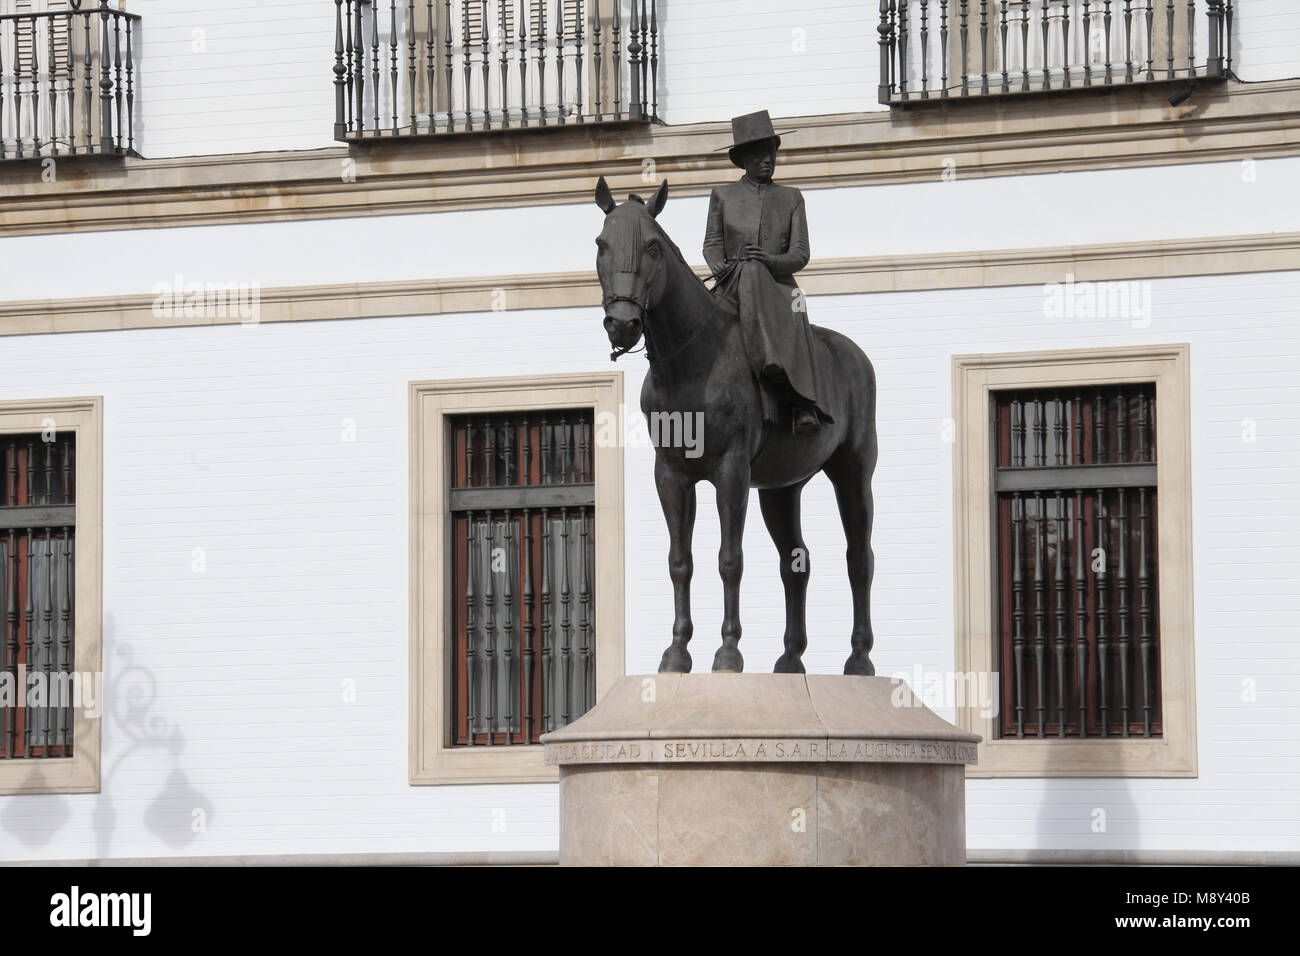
(37, 617)
(1077, 562)
(523, 547)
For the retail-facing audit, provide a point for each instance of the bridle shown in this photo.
(642, 303)
(620, 286)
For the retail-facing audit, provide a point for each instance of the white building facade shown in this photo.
(266, 326)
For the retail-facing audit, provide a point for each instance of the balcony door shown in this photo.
(50, 69)
(461, 65)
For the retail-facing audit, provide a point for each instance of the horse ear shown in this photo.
(657, 201)
(604, 198)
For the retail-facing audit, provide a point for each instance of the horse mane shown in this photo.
(663, 234)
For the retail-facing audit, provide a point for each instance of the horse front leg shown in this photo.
(732, 485)
(677, 497)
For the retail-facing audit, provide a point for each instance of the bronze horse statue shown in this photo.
(698, 368)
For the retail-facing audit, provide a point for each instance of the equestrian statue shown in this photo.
(779, 399)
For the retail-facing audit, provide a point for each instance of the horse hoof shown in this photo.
(859, 665)
(788, 664)
(676, 660)
(728, 660)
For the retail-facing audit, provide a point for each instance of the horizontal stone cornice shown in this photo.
(1092, 129)
(1003, 267)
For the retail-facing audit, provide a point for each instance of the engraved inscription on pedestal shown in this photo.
(760, 749)
(903, 751)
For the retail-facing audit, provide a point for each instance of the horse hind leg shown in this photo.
(850, 473)
(780, 507)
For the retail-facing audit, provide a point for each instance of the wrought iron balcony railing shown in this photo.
(424, 67)
(946, 49)
(67, 81)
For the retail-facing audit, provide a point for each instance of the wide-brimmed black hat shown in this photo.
(751, 128)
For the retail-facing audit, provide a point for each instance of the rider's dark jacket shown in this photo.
(769, 215)
(774, 321)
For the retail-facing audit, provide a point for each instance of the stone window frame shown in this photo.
(433, 760)
(79, 773)
(974, 378)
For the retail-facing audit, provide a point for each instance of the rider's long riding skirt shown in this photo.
(774, 325)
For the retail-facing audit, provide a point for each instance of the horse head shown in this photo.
(630, 262)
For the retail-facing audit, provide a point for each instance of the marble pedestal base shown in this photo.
(763, 770)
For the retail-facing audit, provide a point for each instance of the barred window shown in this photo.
(523, 546)
(1077, 562)
(37, 529)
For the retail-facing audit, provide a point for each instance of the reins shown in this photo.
(641, 305)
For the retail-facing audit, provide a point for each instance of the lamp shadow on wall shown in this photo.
(178, 813)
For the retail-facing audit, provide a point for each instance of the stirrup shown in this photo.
(804, 419)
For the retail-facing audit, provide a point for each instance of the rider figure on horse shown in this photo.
(755, 241)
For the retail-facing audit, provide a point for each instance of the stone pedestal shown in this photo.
(761, 769)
